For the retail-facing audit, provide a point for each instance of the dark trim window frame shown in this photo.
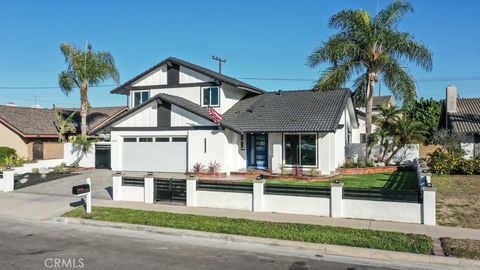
(210, 96)
(300, 149)
(363, 138)
(138, 97)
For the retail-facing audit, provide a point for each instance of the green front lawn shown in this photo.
(413, 243)
(400, 180)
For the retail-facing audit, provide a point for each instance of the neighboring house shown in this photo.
(33, 132)
(168, 128)
(462, 115)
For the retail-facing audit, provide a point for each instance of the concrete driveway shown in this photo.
(101, 184)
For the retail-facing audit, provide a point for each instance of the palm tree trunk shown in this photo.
(84, 107)
(387, 161)
(368, 113)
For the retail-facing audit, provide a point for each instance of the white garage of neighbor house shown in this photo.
(168, 127)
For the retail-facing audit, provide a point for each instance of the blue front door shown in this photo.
(258, 150)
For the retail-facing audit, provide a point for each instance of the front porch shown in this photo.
(314, 154)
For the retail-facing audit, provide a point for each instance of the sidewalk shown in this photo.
(432, 231)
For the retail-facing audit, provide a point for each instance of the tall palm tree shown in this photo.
(85, 68)
(367, 47)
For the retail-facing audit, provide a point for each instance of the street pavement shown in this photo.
(42, 245)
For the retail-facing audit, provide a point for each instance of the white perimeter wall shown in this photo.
(229, 200)
(379, 210)
(70, 154)
(296, 205)
(407, 155)
(133, 194)
(468, 144)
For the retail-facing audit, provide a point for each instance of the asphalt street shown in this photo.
(47, 245)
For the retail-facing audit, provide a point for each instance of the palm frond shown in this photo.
(336, 76)
(390, 15)
(339, 48)
(400, 83)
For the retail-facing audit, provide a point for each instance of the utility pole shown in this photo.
(220, 61)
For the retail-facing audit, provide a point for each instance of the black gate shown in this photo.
(37, 150)
(170, 190)
(102, 156)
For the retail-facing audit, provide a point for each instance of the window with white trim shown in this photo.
(300, 149)
(211, 96)
(139, 97)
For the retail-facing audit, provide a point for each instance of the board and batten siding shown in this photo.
(187, 75)
(145, 117)
(156, 77)
(183, 118)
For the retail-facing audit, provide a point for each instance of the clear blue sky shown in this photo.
(259, 39)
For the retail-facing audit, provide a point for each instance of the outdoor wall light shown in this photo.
(149, 173)
(337, 181)
(118, 172)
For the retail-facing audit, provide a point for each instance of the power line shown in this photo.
(47, 87)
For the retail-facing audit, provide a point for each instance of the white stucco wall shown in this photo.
(378, 210)
(296, 205)
(228, 200)
(71, 154)
(406, 155)
(468, 144)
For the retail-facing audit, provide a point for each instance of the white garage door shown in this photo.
(158, 154)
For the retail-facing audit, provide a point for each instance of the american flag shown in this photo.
(216, 117)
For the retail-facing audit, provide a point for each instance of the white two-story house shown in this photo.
(168, 128)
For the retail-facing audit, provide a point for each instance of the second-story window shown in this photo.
(211, 96)
(140, 97)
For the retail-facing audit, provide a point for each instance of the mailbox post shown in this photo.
(85, 192)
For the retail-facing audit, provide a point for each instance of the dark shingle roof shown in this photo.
(43, 122)
(467, 117)
(123, 89)
(290, 111)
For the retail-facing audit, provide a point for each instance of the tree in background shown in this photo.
(370, 49)
(427, 111)
(395, 129)
(85, 68)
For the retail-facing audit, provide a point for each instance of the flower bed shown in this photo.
(303, 178)
(369, 170)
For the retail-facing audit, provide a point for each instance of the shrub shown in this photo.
(62, 168)
(443, 162)
(313, 172)
(7, 152)
(198, 167)
(213, 167)
(35, 170)
(465, 166)
(297, 171)
(12, 161)
(350, 163)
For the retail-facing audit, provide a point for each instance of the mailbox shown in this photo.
(81, 189)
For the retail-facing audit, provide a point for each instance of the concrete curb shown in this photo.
(321, 249)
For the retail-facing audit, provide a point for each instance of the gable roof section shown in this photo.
(175, 100)
(32, 122)
(289, 111)
(467, 117)
(124, 88)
